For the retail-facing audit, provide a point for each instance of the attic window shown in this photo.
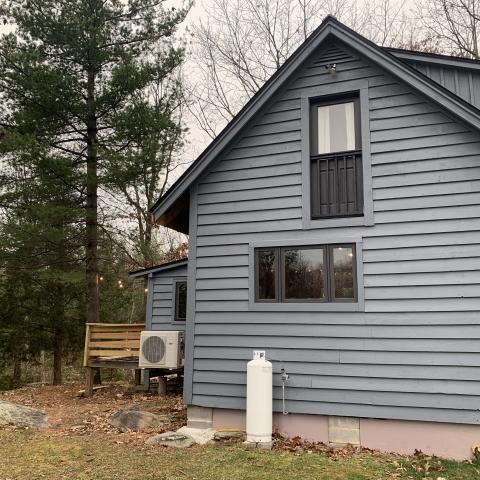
(336, 158)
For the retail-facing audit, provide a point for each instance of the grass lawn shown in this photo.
(25, 455)
(80, 444)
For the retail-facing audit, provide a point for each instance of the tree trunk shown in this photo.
(58, 353)
(17, 371)
(43, 363)
(92, 206)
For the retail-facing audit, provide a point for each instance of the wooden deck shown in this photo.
(111, 345)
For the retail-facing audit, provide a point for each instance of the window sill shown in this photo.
(306, 307)
(331, 222)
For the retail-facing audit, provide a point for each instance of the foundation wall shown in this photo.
(446, 440)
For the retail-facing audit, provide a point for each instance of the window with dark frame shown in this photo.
(336, 158)
(317, 273)
(181, 301)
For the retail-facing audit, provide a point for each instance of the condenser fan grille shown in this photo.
(153, 349)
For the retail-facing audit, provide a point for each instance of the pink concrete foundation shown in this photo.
(449, 440)
(310, 427)
(446, 440)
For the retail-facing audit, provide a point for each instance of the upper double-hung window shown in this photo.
(336, 158)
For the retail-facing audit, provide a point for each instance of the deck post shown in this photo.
(138, 377)
(146, 380)
(89, 374)
(162, 386)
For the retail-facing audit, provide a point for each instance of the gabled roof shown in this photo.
(158, 268)
(165, 208)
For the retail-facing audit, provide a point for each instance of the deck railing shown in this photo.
(111, 341)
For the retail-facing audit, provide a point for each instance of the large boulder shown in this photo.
(172, 439)
(21, 416)
(135, 420)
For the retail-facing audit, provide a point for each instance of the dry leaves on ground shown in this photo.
(70, 414)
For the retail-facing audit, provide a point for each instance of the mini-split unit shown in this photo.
(162, 349)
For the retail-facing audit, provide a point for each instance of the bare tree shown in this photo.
(454, 24)
(389, 23)
(242, 43)
(150, 163)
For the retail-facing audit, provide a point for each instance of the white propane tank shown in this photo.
(259, 399)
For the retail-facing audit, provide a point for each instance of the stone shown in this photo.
(258, 445)
(199, 417)
(172, 439)
(343, 431)
(200, 435)
(229, 436)
(22, 416)
(136, 420)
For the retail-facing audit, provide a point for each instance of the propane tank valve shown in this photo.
(284, 377)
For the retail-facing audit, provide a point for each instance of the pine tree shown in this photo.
(41, 253)
(71, 73)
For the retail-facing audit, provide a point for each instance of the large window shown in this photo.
(181, 301)
(336, 158)
(321, 273)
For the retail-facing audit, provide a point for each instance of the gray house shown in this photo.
(167, 294)
(335, 223)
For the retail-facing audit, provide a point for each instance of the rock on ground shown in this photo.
(135, 420)
(200, 435)
(21, 416)
(229, 435)
(172, 439)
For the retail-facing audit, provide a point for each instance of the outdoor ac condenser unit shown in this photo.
(162, 349)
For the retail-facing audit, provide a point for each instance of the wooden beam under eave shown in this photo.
(177, 216)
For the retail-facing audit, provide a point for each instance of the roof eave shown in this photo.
(435, 59)
(158, 268)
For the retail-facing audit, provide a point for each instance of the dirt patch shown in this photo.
(71, 415)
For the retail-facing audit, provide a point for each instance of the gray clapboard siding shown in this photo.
(345, 318)
(341, 331)
(334, 343)
(160, 311)
(425, 166)
(435, 238)
(427, 190)
(352, 370)
(416, 120)
(420, 279)
(259, 194)
(405, 133)
(414, 352)
(381, 230)
(426, 252)
(394, 359)
(261, 161)
(250, 205)
(336, 382)
(351, 396)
